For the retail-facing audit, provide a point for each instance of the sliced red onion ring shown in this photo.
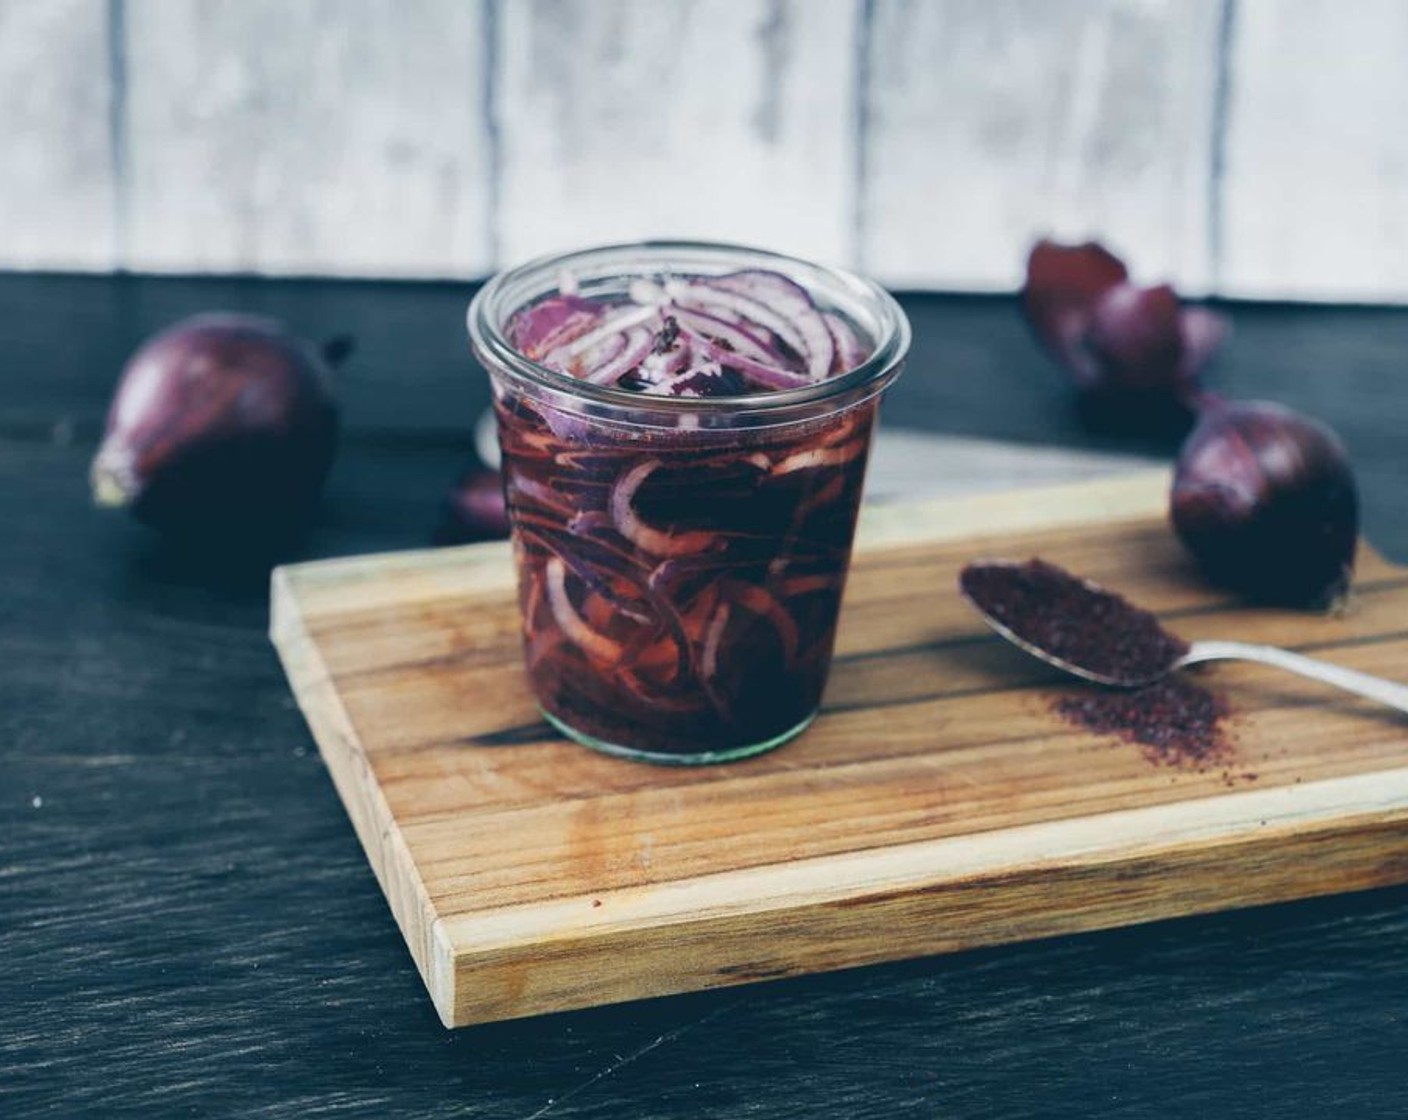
(713, 636)
(820, 457)
(655, 647)
(759, 372)
(657, 366)
(760, 601)
(805, 585)
(656, 542)
(696, 618)
(842, 432)
(821, 497)
(721, 330)
(553, 322)
(705, 297)
(572, 625)
(546, 496)
(659, 702)
(565, 426)
(791, 301)
(588, 520)
(760, 327)
(669, 385)
(604, 350)
(636, 344)
(599, 586)
(849, 352)
(615, 323)
(647, 292)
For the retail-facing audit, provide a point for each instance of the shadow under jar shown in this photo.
(683, 527)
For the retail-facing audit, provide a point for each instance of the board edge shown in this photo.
(377, 832)
(1351, 834)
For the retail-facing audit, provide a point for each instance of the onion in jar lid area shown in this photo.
(692, 336)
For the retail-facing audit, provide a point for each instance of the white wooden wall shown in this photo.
(1248, 147)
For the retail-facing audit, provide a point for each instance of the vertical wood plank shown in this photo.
(994, 121)
(727, 119)
(308, 136)
(56, 159)
(1315, 188)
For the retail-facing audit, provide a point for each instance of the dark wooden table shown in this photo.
(188, 926)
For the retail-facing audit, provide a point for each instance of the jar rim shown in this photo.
(488, 312)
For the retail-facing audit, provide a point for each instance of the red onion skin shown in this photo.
(1134, 353)
(474, 509)
(223, 426)
(1203, 332)
(1265, 500)
(1063, 282)
(1134, 340)
(554, 322)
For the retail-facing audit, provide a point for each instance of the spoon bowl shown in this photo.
(1388, 692)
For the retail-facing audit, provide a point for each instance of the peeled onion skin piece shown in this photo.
(223, 428)
(1265, 500)
(1063, 283)
(556, 321)
(1134, 340)
(1135, 353)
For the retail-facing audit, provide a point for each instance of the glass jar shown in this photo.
(681, 561)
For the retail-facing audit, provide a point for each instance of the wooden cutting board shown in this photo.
(937, 804)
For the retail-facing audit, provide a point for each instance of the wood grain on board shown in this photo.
(329, 136)
(936, 804)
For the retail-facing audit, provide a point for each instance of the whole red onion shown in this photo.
(474, 509)
(1124, 345)
(223, 427)
(1265, 499)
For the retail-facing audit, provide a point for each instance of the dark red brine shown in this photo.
(678, 594)
(1074, 621)
(680, 573)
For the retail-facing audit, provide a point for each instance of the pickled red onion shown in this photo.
(760, 325)
(657, 542)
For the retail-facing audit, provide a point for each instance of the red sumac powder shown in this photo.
(1177, 721)
(1085, 626)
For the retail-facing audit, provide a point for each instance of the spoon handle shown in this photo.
(1375, 688)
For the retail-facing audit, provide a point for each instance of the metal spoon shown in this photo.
(1363, 684)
